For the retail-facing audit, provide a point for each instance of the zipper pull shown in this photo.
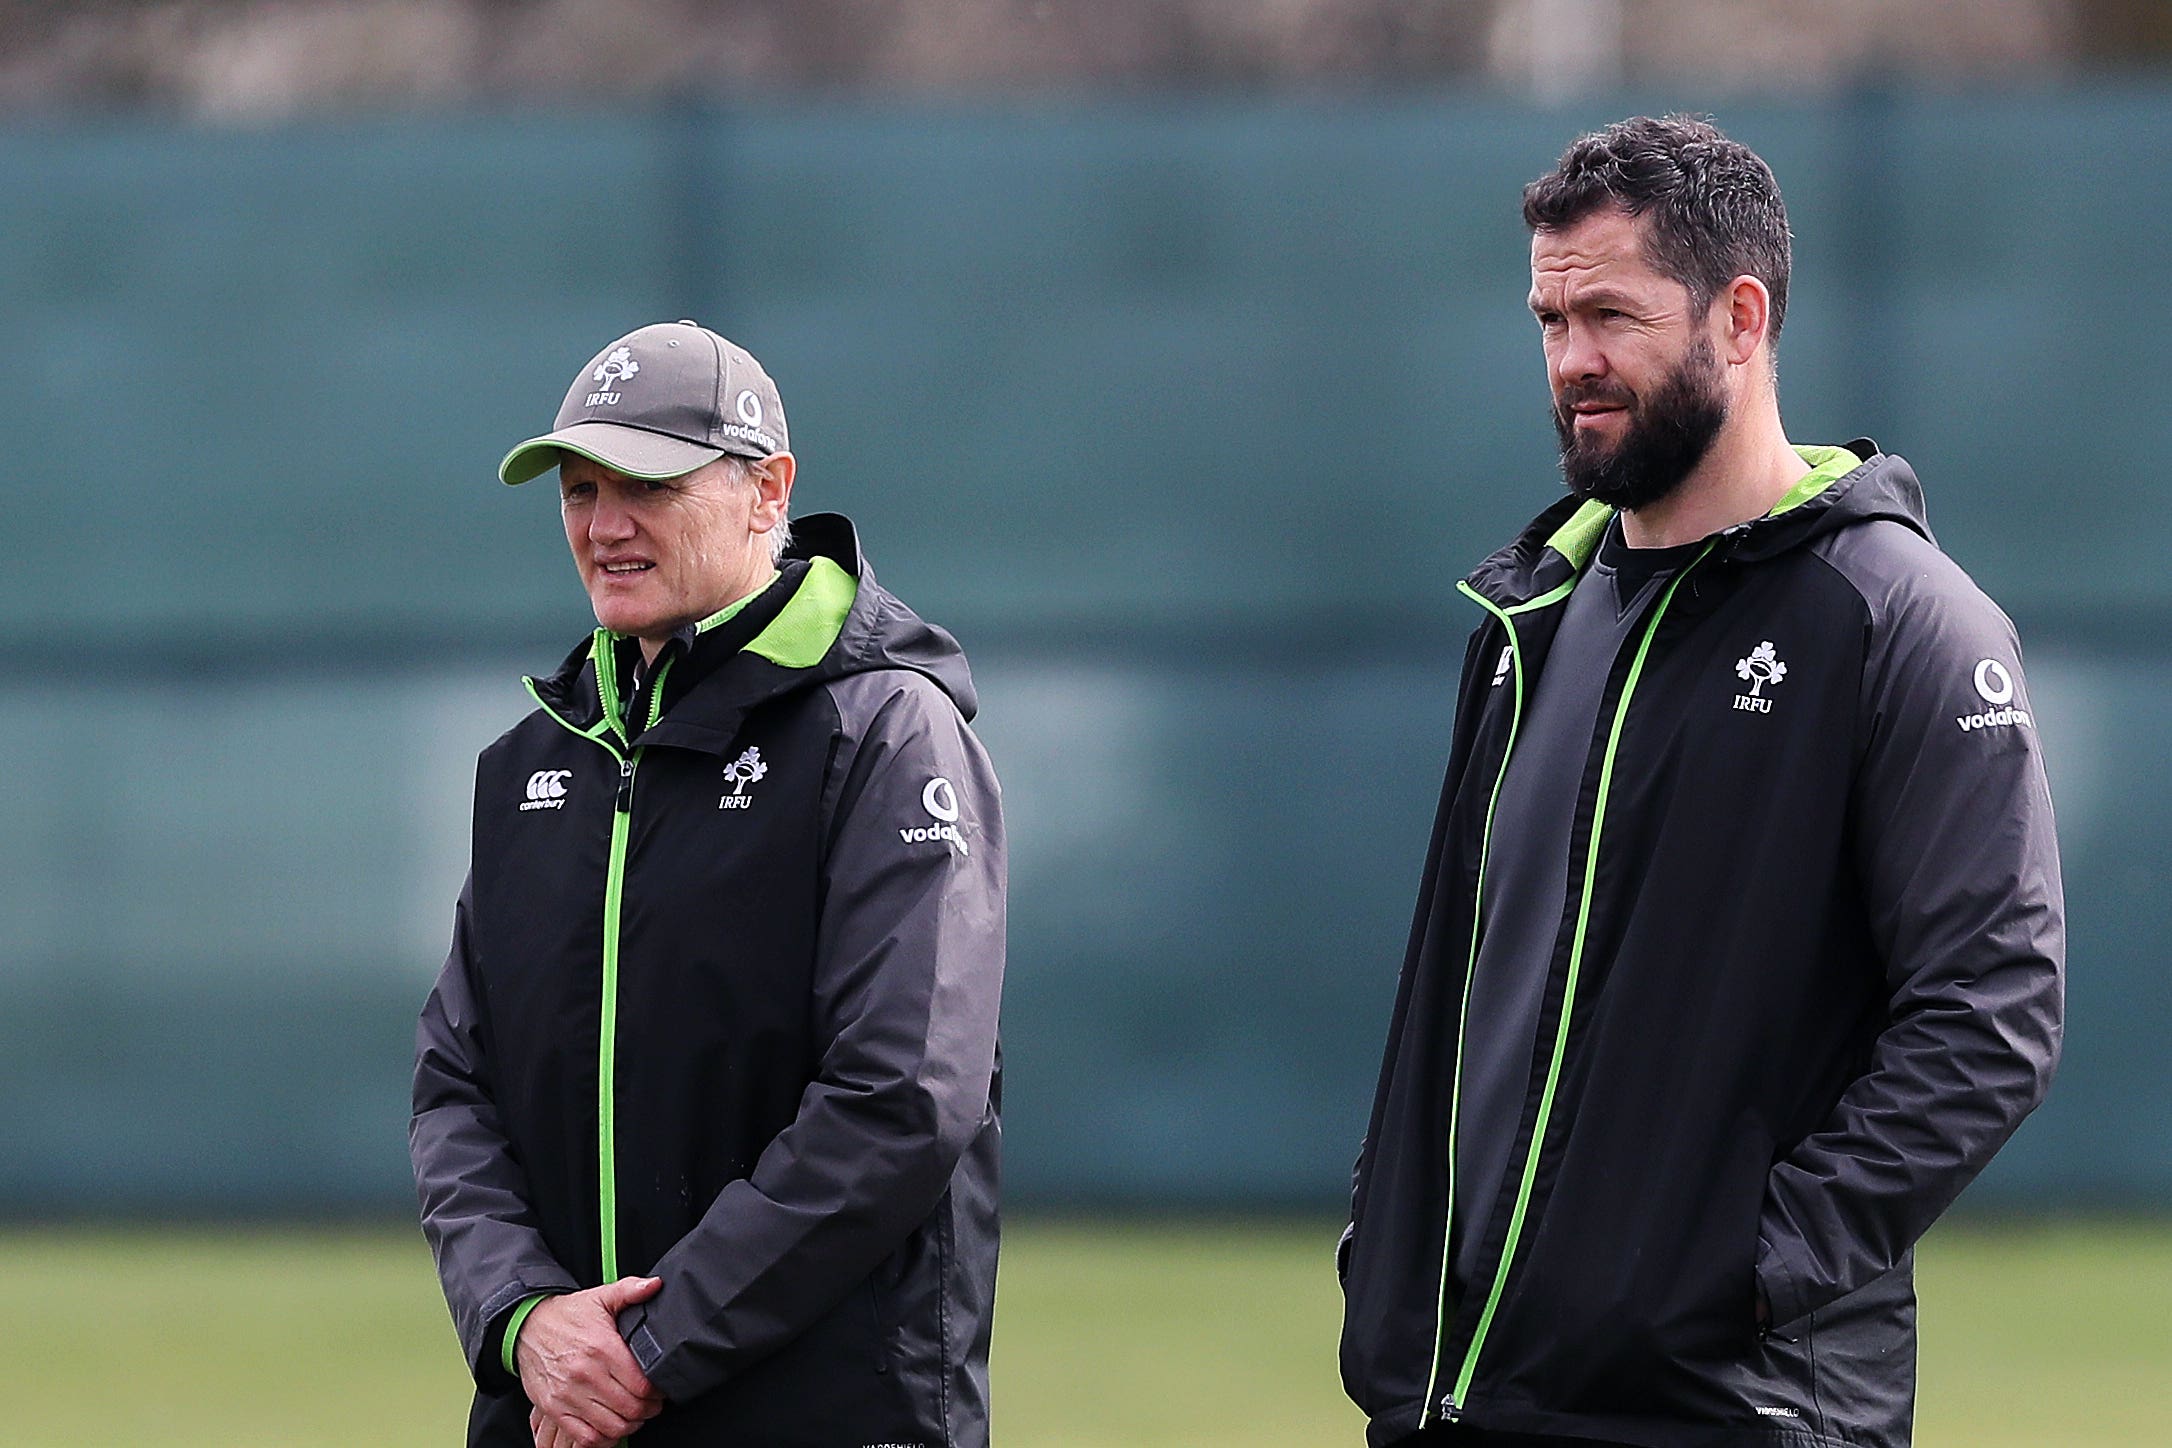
(625, 786)
(1449, 1412)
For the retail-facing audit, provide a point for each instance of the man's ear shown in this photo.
(1744, 314)
(772, 480)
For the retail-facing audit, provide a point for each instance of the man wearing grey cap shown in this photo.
(706, 1110)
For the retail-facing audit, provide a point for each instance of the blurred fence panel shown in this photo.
(1183, 415)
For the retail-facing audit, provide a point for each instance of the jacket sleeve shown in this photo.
(1959, 868)
(908, 976)
(490, 1252)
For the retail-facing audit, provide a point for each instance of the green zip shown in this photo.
(606, 661)
(796, 638)
(1455, 1097)
(614, 890)
(656, 690)
(614, 884)
(1568, 994)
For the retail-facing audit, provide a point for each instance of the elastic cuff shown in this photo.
(512, 1330)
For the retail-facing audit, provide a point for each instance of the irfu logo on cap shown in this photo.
(611, 371)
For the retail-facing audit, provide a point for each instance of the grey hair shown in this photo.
(780, 537)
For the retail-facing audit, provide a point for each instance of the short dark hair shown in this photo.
(1715, 208)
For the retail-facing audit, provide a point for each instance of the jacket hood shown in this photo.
(1845, 486)
(825, 618)
(873, 630)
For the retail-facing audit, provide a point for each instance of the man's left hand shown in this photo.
(587, 1390)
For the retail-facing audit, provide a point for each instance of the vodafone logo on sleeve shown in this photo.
(1995, 686)
(940, 799)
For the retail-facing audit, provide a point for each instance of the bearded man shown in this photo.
(1740, 945)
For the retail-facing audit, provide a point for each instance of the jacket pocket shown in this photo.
(879, 1317)
(1638, 1295)
(905, 1296)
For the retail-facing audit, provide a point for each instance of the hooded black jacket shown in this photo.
(721, 1009)
(1807, 981)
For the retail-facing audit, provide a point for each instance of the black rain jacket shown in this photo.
(1807, 981)
(721, 1009)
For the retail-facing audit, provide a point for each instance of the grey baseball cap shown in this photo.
(659, 402)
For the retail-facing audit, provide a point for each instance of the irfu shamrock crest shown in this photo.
(1762, 667)
(745, 770)
(617, 367)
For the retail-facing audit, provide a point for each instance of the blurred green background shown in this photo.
(1212, 1333)
(1181, 382)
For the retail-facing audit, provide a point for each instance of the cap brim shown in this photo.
(630, 450)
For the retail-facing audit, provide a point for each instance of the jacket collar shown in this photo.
(709, 673)
(1845, 486)
(825, 617)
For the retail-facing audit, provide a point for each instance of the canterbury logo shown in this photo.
(547, 789)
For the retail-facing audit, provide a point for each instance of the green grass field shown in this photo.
(1109, 1335)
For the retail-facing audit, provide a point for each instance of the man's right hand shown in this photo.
(578, 1372)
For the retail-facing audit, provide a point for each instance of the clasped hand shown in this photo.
(586, 1388)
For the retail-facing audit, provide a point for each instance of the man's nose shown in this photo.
(1578, 357)
(610, 521)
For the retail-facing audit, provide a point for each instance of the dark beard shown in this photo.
(1668, 434)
